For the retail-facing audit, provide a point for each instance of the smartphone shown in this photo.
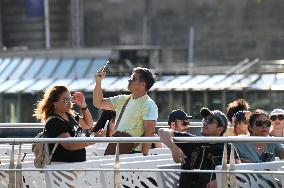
(106, 125)
(242, 116)
(105, 66)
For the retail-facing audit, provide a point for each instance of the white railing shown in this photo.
(231, 139)
(117, 168)
(37, 125)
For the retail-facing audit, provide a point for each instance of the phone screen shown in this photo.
(105, 127)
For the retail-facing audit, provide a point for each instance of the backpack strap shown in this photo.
(44, 132)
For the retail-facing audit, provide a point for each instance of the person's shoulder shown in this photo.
(147, 101)
(122, 96)
(276, 145)
(242, 146)
(119, 98)
(54, 120)
(148, 98)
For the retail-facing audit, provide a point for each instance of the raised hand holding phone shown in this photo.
(102, 72)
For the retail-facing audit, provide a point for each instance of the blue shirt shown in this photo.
(248, 151)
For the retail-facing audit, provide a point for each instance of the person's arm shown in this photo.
(157, 144)
(149, 131)
(86, 122)
(245, 161)
(73, 145)
(212, 184)
(98, 100)
(166, 137)
(79, 145)
(279, 150)
(238, 161)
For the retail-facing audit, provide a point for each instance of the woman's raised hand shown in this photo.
(79, 99)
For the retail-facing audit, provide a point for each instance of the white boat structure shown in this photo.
(132, 170)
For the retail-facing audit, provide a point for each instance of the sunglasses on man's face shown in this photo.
(133, 79)
(67, 100)
(209, 120)
(260, 123)
(274, 117)
(185, 123)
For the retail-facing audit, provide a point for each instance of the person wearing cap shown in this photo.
(179, 121)
(277, 120)
(203, 156)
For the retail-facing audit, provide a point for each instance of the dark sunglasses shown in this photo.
(209, 120)
(274, 117)
(133, 79)
(260, 123)
(184, 123)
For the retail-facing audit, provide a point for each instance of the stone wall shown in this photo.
(1, 42)
(24, 31)
(224, 30)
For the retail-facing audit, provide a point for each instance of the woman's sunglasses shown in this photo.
(68, 99)
(260, 123)
(274, 117)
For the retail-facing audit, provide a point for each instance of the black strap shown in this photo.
(122, 110)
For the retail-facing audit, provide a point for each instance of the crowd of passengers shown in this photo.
(136, 115)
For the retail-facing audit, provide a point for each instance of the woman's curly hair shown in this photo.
(235, 106)
(45, 107)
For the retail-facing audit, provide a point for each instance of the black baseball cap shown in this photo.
(217, 114)
(178, 115)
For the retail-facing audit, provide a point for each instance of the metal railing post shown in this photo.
(116, 168)
(12, 166)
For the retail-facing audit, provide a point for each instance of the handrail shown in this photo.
(151, 170)
(40, 125)
(230, 139)
(145, 140)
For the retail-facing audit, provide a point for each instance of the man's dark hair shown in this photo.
(235, 106)
(145, 75)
